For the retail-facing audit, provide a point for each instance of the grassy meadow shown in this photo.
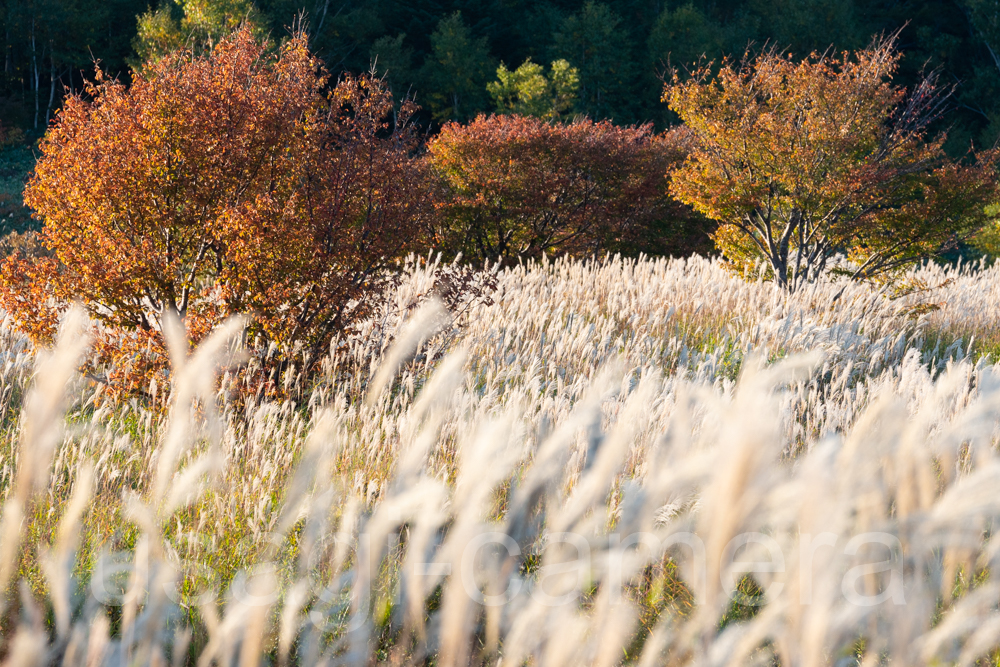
(643, 462)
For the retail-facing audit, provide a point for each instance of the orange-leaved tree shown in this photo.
(800, 161)
(364, 204)
(216, 184)
(512, 187)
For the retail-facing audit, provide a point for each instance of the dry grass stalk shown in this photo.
(576, 472)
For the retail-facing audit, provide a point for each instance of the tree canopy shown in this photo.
(529, 92)
(457, 70)
(199, 24)
(447, 51)
(517, 187)
(223, 183)
(801, 160)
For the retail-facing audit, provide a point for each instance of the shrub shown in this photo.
(217, 184)
(800, 161)
(11, 136)
(512, 187)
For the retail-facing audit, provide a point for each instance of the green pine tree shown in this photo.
(683, 36)
(456, 71)
(596, 42)
(393, 61)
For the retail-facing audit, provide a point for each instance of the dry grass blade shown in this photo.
(40, 432)
(612, 462)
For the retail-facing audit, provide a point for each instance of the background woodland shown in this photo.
(443, 53)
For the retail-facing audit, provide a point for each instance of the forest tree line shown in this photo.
(445, 53)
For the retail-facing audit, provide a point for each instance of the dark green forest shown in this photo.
(443, 53)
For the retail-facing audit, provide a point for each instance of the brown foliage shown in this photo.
(512, 187)
(799, 161)
(217, 184)
(365, 201)
(31, 294)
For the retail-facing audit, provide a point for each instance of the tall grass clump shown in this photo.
(605, 462)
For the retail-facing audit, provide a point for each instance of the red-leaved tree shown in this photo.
(513, 187)
(218, 184)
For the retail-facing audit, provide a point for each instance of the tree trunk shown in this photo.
(779, 265)
(52, 86)
(34, 67)
(322, 18)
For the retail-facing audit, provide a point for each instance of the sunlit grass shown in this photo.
(607, 400)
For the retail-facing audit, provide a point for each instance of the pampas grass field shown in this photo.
(643, 462)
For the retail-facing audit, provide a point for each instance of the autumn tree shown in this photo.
(363, 205)
(801, 161)
(217, 184)
(514, 187)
